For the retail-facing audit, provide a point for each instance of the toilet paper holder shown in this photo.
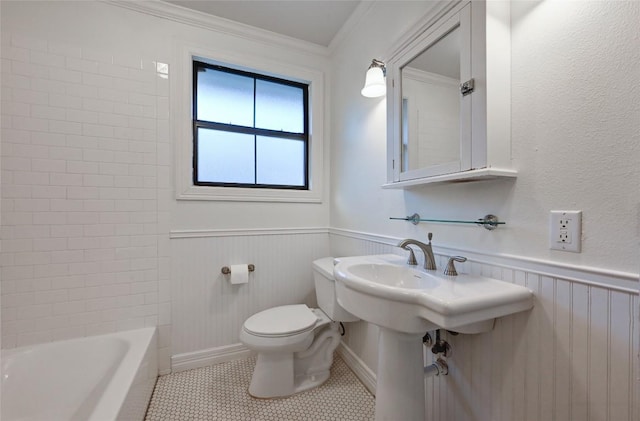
(226, 270)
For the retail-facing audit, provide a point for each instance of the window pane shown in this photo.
(280, 161)
(225, 157)
(224, 97)
(279, 107)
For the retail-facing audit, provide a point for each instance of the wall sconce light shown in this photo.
(374, 83)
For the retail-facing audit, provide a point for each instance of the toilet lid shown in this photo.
(281, 321)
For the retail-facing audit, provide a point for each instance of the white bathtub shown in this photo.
(98, 378)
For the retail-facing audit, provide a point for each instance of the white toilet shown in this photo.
(295, 343)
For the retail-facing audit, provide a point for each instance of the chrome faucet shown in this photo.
(429, 260)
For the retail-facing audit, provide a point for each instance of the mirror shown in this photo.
(448, 97)
(430, 109)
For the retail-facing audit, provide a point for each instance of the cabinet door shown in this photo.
(431, 119)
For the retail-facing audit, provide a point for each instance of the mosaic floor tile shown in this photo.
(219, 392)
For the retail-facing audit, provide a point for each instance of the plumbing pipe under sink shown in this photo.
(437, 368)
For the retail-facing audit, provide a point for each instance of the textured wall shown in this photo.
(575, 137)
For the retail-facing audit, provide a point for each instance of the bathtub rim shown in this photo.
(111, 402)
(114, 397)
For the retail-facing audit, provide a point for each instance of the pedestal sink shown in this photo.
(407, 301)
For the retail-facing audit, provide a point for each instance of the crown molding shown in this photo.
(202, 20)
(435, 12)
(350, 24)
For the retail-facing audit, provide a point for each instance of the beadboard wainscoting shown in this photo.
(573, 357)
(208, 312)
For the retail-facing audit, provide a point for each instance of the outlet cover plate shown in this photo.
(565, 230)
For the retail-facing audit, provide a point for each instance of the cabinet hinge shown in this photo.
(467, 87)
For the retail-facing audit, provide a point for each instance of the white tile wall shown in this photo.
(84, 197)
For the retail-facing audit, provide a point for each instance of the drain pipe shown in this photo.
(440, 367)
(438, 346)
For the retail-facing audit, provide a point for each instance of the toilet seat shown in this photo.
(281, 321)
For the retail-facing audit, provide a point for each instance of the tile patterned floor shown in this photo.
(219, 392)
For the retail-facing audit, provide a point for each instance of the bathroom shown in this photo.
(102, 231)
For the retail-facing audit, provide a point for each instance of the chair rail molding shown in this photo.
(200, 233)
(612, 279)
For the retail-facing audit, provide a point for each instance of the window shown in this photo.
(249, 130)
(310, 75)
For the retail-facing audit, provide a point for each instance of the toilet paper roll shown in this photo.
(239, 274)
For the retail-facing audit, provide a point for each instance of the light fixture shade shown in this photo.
(374, 83)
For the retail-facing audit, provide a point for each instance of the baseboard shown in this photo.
(205, 357)
(360, 369)
(210, 356)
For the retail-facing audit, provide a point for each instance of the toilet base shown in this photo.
(265, 383)
(282, 374)
(309, 381)
(278, 390)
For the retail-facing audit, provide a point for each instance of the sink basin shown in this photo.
(385, 291)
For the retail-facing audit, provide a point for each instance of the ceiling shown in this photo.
(309, 20)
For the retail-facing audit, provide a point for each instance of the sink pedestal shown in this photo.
(400, 380)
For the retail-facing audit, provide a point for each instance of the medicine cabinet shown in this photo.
(448, 97)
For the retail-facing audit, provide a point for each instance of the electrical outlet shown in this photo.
(565, 230)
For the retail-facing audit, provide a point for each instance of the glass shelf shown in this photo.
(489, 221)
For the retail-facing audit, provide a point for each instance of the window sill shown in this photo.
(249, 195)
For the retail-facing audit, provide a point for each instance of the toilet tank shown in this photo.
(326, 291)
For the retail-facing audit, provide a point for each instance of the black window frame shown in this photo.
(304, 137)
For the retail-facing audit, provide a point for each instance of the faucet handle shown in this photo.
(430, 236)
(451, 268)
(412, 257)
